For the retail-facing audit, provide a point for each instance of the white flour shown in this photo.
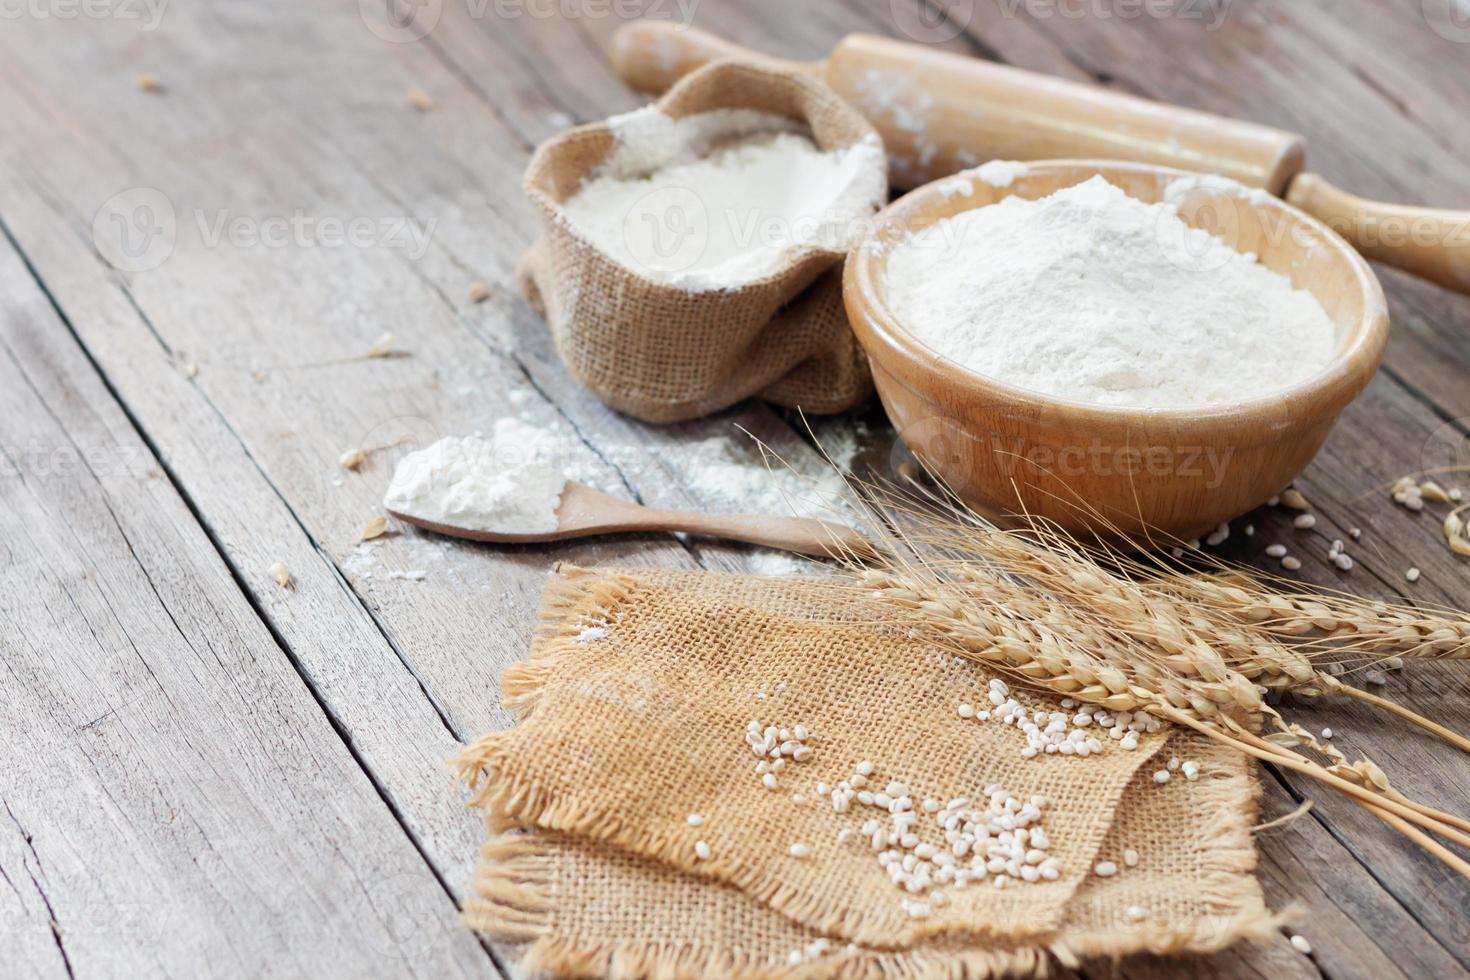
(1094, 296)
(479, 484)
(715, 200)
(996, 173)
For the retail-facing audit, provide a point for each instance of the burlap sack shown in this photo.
(635, 701)
(586, 908)
(663, 353)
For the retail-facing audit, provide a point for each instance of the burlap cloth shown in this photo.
(664, 353)
(630, 726)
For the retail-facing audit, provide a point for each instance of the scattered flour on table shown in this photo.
(483, 484)
(715, 200)
(1092, 295)
(727, 479)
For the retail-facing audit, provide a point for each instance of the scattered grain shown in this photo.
(1300, 944)
(375, 528)
(383, 346)
(1291, 564)
(478, 292)
(420, 100)
(701, 850)
(281, 574)
(352, 459)
(695, 819)
(1412, 574)
(1303, 522)
(1293, 498)
(1432, 491)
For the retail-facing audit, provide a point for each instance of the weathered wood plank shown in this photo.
(174, 801)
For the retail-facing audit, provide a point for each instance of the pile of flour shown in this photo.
(715, 200)
(498, 485)
(1094, 296)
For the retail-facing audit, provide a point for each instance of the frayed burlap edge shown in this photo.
(574, 599)
(1227, 859)
(510, 905)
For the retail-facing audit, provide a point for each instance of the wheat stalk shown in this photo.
(1127, 634)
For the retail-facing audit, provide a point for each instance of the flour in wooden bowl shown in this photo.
(720, 198)
(1091, 295)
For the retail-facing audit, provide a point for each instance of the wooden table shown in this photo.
(205, 774)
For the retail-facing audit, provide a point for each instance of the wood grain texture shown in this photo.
(240, 362)
(174, 800)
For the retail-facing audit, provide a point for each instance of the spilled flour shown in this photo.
(510, 481)
(1092, 295)
(718, 199)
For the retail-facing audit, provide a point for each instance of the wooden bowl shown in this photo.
(1112, 471)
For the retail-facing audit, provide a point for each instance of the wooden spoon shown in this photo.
(585, 512)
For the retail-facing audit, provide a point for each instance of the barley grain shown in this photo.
(383, 346)
(375, 528)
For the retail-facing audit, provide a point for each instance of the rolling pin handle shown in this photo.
(651, 55)
(1433, 243)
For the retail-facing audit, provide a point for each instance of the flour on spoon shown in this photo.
(477, 484)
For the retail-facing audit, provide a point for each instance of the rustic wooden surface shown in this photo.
(204, 774)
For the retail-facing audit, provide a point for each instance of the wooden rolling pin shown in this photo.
(940, 113)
